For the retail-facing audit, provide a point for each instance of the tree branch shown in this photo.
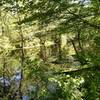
(84, 21)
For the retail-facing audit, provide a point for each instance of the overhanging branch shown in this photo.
(78, 72)
(84, 21)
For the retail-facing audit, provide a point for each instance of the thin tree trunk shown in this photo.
(42, 49)
(79, 43)
(22, 59)
(59, 48)
(22, 65)
(56, 48)
(81, 59)
(73, 44)
(4, 63)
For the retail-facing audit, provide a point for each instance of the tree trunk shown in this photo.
(22, 65)
(42, 49)
(56, 48)
(22, 59)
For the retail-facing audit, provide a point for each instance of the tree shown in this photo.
(31, 41)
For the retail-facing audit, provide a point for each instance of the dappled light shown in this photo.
(49, 50)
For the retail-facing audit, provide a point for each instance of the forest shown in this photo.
(49, 49)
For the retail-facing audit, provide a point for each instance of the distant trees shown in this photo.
(31, 40)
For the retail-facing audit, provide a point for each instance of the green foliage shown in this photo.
(97, 40)
(91, 85)
(31, 38)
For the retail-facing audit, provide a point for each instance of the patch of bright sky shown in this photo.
(84, 2)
